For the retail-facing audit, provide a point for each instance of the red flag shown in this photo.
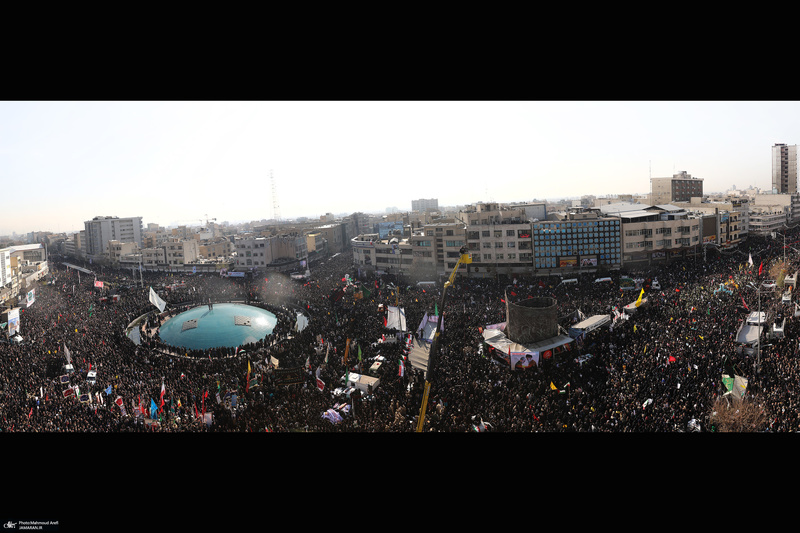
(760, 267)
(745, 304)
(31, 413)
(163, 390)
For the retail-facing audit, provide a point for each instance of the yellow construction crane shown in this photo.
(464, 259)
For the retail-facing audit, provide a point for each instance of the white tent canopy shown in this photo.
(590, 324)
(748, 334)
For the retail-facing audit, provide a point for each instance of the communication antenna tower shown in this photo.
(276, 211)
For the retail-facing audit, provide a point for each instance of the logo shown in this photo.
(9, 525)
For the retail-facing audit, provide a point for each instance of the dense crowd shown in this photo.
(660, 370)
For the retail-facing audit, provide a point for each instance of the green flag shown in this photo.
(436, 309)
(91, 306)
(359, 352)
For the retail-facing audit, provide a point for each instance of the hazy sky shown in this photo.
(62, 163)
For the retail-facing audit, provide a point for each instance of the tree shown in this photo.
(731, 415)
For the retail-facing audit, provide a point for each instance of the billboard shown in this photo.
(588, 261)
(13, 321)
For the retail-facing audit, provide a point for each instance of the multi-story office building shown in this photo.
(181, 252)
(654, 233)
(430, 204)
(731, 218)
(498, 239)
(382, 256)
(252, 252)
(117, 249)
(577, 240)
(100, 230)
(153, 257)
(5, 267)
(212, 250)
(784, 168)
(788, 203)
(765, 220)
(681, 187)
(436, 248)
(260, 252)
(334, 235)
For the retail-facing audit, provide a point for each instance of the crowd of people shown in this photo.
(659, 370)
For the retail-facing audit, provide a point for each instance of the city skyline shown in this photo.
(179, 162)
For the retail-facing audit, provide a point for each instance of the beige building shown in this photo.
(436, 248)
(498, 239)
(655, 233)
(681, 187)
(765, 220)
(212, 250)
(155, 256)
(334, 235)
(315, 243)
(117, 249)
(181, 252)
(382, 256)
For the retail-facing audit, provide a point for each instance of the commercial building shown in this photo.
(654, 233)
(181, 252)
(575, 241)
(213, 249)
(436, 249)
(498, 239)
(681, 187)
(382, 256)
(334, 235)
(788, 203)
(784, 168)
(765, 220)
(117, 249)
(101, 230)
(261, 252)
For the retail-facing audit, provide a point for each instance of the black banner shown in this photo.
(289, 376)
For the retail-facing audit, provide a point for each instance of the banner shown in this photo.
(30, 298)
(98, 284)
(396, 318)
(157, 301)
(13, 321)
(289, 376)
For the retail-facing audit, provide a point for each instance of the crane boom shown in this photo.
(464, 259)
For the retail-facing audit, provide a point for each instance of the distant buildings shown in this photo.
(431, 204)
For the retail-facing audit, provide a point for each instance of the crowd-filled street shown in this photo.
(659, 370)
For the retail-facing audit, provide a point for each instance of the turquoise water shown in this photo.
(217, 327)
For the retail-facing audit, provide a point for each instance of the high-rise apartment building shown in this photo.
(784, 168)
(100, 230)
